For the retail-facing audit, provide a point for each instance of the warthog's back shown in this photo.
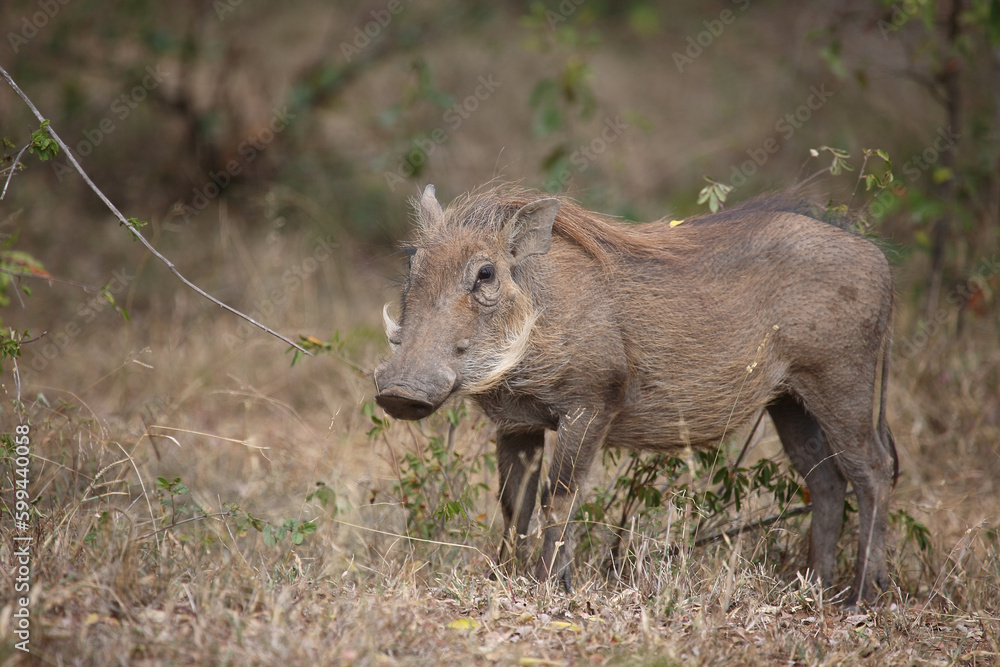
(738, 303)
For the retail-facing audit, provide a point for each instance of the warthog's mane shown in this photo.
(605, 238)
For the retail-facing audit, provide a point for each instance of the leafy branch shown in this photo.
(714, 193)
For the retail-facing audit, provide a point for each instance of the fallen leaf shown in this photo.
(560, 625)
(463, 624)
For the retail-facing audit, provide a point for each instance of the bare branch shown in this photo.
(131, 227)
(13, 168)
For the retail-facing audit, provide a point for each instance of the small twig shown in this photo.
(32, 340)
(122, 220)
(53, 279)
(861, 175)
(746, 445)
(19, 407)
(200, 517)
(762, 523)
(13, 168)
(808, 179)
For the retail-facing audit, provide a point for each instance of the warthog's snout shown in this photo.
(398, 403)
(413, 397)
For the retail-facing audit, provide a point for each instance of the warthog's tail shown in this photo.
(885, 435)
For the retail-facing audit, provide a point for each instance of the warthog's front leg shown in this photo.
(580, 436)
(519, 461)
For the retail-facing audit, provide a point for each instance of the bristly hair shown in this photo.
(605, 239)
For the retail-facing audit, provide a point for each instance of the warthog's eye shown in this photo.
(485, 275)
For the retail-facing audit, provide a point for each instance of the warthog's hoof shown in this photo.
(563, 576)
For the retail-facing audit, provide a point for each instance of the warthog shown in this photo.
(651, 337)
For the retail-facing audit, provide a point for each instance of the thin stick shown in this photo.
(13, 168)
(131, 227)
(54, 279)
(761, 523)
(861, 173)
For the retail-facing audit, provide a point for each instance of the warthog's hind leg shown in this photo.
(810, 454)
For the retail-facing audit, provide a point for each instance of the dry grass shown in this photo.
(171, 396)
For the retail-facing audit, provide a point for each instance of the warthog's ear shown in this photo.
(529, 232)
(431, 213)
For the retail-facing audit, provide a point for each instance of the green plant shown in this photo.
(169, 490)
(435, 483)
(10, 345)
(42, 144)
(650, 488)
(326, 496)
(714, 193)
(295, 530)
(271, 533)
(914, 532)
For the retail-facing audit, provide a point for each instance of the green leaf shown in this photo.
(324, 494)
(42, 143)
(714, 193)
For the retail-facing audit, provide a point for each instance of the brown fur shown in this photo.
(652, 337)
